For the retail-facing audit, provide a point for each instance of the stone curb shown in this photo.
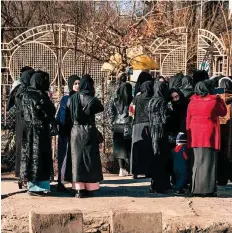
(56, 222)
(134, 222)
(122, 221)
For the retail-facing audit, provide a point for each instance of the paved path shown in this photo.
(117, 194)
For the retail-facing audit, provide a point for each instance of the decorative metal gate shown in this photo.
(50, 48)
(211, 49)
(171, 52)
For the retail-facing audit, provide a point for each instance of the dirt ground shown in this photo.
(180, 214)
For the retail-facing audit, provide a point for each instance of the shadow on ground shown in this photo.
(9, 179)
(126, 181)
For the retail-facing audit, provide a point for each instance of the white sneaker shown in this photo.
(125, 173)
(121, 172)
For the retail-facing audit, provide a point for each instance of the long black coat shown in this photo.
(84, 143)
(141, 151)
(36, 156)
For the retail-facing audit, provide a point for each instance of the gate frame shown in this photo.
(170, 47)
(219, 48)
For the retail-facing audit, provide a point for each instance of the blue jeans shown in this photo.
(180, 170)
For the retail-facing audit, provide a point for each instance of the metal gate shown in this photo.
(171, 52)
(212, 50)
(51, 48)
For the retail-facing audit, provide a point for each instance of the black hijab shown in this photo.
(71, 80)
(216, 80)
(161, 94)
(182, 98)
(123, 97)
(123, 78)
(199, 76)
(226, 83)
(147, 89)
(18, 91)
(25, 82)
(176, 81)
(46, 81)
(86, 87)
(203, 88)
(25, 68)
(26, 76)
(39, 81)
(143, 77)
(187, 86)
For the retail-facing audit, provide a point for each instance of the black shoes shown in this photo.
(135, 176)
(84, 193)
(179, 193)
(80, 193)
(21, 185)
(222, 183)
(152, 190)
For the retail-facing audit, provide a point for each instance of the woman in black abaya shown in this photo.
(141, 152)
(157, 109)
(86, 162)
(119, 116)
(38, 112)
(15, 101)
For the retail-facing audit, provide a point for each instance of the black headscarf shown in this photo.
(176, 81)
(215, 81)
(18, 91)
(25, 82)
(123, 97)
(46, 82)
(71, 80)
(25, 77)
(187, 86)
(226, 83)
(203, 88)
(161, 94)
(38, 81)
(123, 78)
(86, 87)
(147, 89)
(178, 115)
(25, 68)
(143, 77)
(199, 76)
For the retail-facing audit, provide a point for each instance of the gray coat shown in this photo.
(84, 143)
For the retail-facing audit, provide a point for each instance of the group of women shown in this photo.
(144, 131)
(160, 110)
(78, 154)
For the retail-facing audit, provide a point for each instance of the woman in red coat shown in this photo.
(203, 130)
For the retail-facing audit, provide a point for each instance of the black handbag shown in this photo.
(127, 131)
